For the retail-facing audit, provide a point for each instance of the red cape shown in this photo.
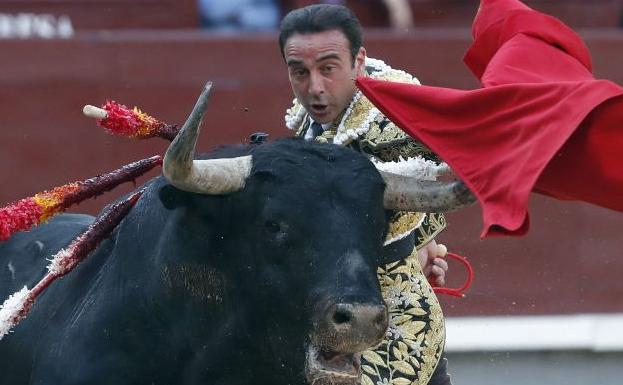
(540, 123)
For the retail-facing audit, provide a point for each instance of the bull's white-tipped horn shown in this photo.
(212, 176)
(409, 194)
(94, 112)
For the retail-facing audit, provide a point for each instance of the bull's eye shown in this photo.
(272, 227)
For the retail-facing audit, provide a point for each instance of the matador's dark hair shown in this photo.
(320, 18)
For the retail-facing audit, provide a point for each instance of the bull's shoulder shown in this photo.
(24, 257)
(49, 236)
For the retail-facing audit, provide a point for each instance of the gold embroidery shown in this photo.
(414, 342)
(390, 143)
(356, 122)
(390, 132)
(432, 225)
(402, 224)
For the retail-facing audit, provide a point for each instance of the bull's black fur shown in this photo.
(196, 289)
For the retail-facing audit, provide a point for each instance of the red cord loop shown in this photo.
(458, 292)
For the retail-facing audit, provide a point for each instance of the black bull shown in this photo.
(273, 284)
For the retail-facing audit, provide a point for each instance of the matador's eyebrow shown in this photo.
(293, 62)
(328, 56)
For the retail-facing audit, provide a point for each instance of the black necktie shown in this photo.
(316, 129)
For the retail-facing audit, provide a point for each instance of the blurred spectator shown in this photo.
(400, 13)
(229, 15)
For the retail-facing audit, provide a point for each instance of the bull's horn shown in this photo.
(212, 176)
(408, 194)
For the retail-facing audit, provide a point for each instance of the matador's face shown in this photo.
(322, 72)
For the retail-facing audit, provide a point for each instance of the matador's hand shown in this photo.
(433, 265)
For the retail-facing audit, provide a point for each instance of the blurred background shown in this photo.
(545, 308)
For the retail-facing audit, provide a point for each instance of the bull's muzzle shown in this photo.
(351, 327)
(344, 331)
(366, 323)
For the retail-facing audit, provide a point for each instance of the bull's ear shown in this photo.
(258, 138)
(172, 197)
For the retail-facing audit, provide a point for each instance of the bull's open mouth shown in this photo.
(328, 367)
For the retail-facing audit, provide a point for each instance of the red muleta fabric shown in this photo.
(540, 123)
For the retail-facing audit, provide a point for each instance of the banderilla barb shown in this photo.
(28, 212)
(17, 306)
